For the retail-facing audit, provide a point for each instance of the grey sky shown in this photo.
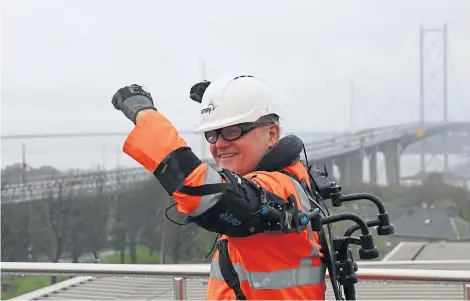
(63, 60)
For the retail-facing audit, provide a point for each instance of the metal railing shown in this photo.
(180, 272)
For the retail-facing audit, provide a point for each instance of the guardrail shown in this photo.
(180, 272)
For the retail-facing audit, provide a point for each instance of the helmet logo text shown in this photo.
(208, 110)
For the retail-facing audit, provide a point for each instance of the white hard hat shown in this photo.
(231, 100)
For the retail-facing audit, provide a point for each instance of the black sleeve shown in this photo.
(237, 211)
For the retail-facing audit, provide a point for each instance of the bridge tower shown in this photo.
(433, 82)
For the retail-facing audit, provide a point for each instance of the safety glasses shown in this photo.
(233, 132)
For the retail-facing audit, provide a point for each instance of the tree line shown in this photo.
(68, 225)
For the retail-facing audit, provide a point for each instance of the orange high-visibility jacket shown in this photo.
(269, 265)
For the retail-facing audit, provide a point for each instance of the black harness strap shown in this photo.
(321, 234)
(227, 269)
(302, 182)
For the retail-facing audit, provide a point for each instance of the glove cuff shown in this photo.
(133, 117)
(135, 104)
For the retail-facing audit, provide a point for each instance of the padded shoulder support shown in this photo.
(283, 154)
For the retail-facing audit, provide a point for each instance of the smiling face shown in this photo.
(243, 154)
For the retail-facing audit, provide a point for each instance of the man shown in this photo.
(254, 260)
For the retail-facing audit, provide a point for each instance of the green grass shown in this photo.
(13, 286)
(462, 228)
(142, 257)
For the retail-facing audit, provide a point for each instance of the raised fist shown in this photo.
(132, 99)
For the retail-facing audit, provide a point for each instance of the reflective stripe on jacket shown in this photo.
(270, 265)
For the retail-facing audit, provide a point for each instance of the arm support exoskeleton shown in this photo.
(235, 212)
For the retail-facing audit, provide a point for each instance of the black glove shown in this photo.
(131, 100)
(197, 91)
